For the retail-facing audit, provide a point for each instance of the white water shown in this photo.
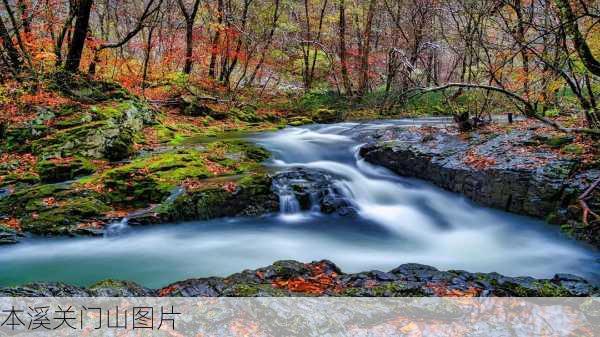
(399, 221)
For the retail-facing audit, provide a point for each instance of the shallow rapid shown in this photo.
(397, 220)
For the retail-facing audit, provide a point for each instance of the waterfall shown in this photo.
(288, 203)
(117, 228)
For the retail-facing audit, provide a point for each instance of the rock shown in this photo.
(246, 114)
(120, 146)
(112, 288)
(326, 116)
(494, 171)
(8, 235)
(251, 197)
(44, 290)
(324, 278)
(54, 209)
(59, 169)
(314, 189)
(575, 285)
(109, 136)
(207, 287)
(85, 90)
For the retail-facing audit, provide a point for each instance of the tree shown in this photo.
(570, 23)
(80, 32)
(9, 48)
(149, 10)
(343, 53)
(366, 49)
(190, 18)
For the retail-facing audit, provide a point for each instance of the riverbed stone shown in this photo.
(324, 278)
(8, 235)
(314, 188)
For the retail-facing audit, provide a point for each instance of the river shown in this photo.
(398, 220)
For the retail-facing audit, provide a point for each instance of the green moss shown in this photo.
(61, 170)
(150, 179)
(387, 289)
(549, 289)
(325, 115)
(86, 139)
(253, 290)
(299, 121)
(558, 141)
(27, 177)
(246, 114)
(352, 292)
(74, 121)
(65, 217)
(576, 149)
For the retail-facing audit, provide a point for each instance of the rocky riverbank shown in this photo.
(526, 171)
(91, 153)
(323, 278)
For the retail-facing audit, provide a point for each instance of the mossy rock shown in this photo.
(26, 200)
(115, 288)
(110, 135)
(20, 178)
(85, 90)
(253, 290)
(86, 140)
(120, 146)
(325, 116)
(191, 106)
(575, 149)
(558, 141)
(150, 179)
(246, 114)
(57, 170)
(18, 139)
(74, 121)
(65, 217)
(299, 121)
(8, 235)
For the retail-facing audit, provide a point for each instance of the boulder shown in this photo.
(314, 190)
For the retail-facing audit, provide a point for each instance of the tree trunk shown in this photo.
(190, 18)
(9, 47)
(147, 55)
(189, 46)
(215, 42)
(343, 54)
(366, 49)
(569, 20)
(82, 23)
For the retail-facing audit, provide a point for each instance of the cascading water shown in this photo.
(378, 220)
(288, 203)
(117, 228)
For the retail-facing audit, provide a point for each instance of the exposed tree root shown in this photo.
(583, 202)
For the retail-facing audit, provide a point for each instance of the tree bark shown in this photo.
(343, 53)
(82, 23)
(366, 49)
(215, 42)
(190, 18)
(583, 50)
(9, 47)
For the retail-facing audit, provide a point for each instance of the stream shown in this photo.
(397, 220)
